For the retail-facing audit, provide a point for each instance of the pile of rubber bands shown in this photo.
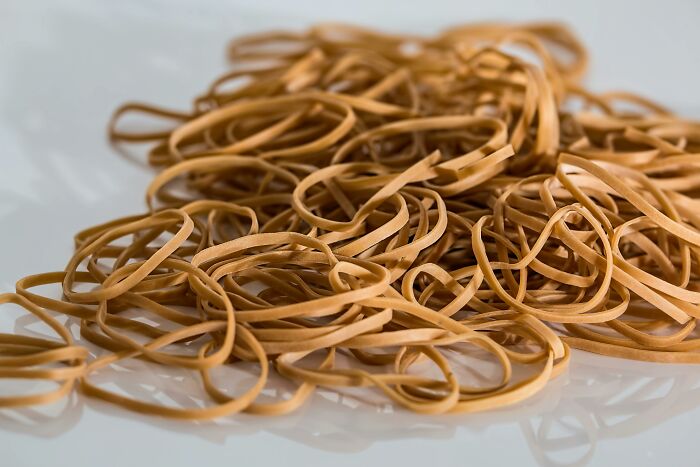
(403, 202)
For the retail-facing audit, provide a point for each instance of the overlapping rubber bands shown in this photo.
(403, 202)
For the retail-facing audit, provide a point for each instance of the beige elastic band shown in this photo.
(348, 208)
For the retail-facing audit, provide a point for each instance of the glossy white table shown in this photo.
(63, 69)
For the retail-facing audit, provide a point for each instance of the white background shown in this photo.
(64, 66)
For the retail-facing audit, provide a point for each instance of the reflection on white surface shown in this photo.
(64, 68)
(599, 399)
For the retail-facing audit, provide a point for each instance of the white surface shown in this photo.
(64, 68)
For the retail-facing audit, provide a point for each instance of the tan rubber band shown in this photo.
(350, 208)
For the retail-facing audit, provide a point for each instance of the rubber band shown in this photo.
(351, 208)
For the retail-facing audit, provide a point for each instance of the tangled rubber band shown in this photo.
(348, 208)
